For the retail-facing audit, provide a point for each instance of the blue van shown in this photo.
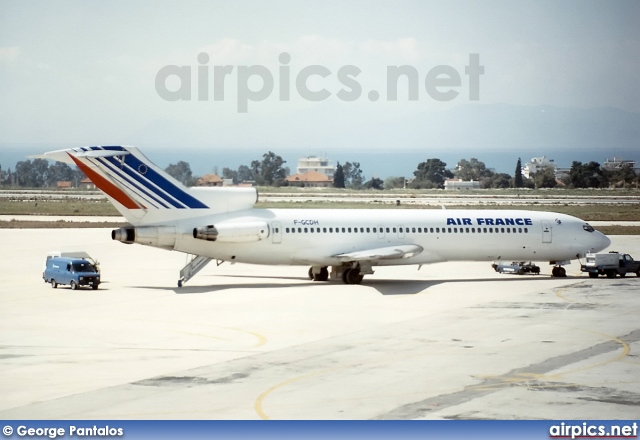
(72, 271)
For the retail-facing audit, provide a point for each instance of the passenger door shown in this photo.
(276, 232)
(546, 231)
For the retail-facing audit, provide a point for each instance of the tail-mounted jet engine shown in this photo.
(233, 232)
(157, 236)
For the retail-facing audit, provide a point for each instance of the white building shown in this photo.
(537, 164)
(617, 163)
(320, 165)
(451, 184)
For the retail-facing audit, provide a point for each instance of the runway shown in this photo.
(450, 341)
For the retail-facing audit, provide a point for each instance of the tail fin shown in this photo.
(136, 186)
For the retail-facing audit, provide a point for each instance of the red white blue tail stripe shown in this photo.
(128, 177)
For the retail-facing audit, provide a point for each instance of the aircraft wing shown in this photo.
(384, 253)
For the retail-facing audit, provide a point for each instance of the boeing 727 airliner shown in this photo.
(222, 224)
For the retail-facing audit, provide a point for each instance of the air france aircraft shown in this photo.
(222, 224)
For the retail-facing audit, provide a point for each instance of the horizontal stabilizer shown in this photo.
(385, 253)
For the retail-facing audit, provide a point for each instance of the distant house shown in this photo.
(64, 184)
(537, 164)
(312, 179)
(321, 165)
(209, 180)
(451, 184)
(86, 183)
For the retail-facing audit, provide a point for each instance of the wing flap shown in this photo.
(384, 253)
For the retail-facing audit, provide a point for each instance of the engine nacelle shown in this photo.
(233, 232)
(156, 236)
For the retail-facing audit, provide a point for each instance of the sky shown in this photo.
(76, 73)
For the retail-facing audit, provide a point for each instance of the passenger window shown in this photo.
(455, 230)
(432, 230)
(449, 230)
(387, 230)
(438, 230)
(368, 230)
(361, 229)
(287, 230)
(474, 230)
(502, 230)
(343, 230)
(355, 230)
(526, 230)
(394, 230)
(349, 230)
(306, 230)
(374, 230)
(490, 230)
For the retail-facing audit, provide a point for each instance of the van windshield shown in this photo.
(82, 267)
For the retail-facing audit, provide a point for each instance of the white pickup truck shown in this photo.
(610, 264)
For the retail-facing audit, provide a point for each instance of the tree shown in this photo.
(394, 182)
(270, 170)
(59, 171)
(245, 174)
(498, 180)
(374, 183)
(545, 178)
(431, 174)
(353, 177)
(588, 175)
(338, 177)
(472, 170)
(228, 173)
(517, 177)
(181, 172)
(622, 176)
(32, 173)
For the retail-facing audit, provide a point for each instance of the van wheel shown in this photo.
(54, 284)
(73, 284)
(593, 274)
(94, 287)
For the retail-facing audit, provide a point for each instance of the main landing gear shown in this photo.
(350, 273)
(558, 272)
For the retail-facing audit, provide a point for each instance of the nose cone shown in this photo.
(602, 242)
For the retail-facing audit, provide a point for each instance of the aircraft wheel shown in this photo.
(352, 276)
(54, 284)
(562, 272)
(322, 276)
(179, 283)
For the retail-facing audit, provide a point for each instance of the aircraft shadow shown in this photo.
(384, 287)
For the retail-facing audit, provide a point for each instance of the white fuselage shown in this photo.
(316, 236)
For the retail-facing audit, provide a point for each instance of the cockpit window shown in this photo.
(588, 228)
